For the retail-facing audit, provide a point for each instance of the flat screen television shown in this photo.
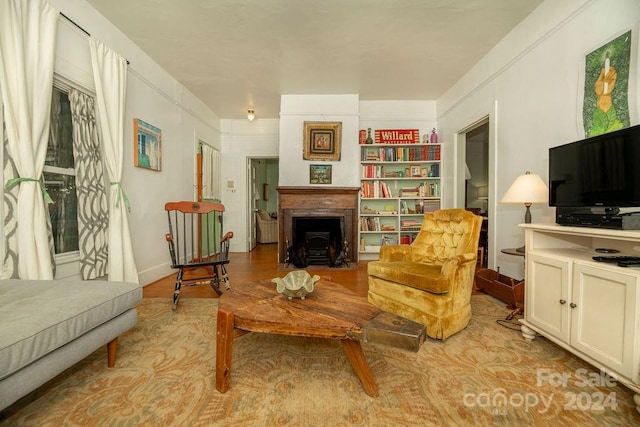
(603, 170)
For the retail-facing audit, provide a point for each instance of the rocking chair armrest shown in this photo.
(228, 236)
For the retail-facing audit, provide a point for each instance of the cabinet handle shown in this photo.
(562, 301)
(572, 305)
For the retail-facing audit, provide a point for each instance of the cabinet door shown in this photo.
(547, 294)
(603, 306)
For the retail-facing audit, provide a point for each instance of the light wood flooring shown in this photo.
(261, 263)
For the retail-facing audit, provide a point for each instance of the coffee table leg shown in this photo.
(355, 355)
(224, 349)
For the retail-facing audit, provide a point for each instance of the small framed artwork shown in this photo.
(320, 174)
(415, 170)
(424, 172)
(322, 140)
(147, 146)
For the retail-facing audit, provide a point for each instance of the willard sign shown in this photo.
(397, 136)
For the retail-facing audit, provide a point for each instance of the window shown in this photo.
(59, 175)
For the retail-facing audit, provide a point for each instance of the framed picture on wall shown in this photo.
(147, 145)
(322, 140)
(320, 174)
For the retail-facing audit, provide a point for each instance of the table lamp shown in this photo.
(527, 189)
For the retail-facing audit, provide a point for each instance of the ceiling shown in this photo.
(240, 54)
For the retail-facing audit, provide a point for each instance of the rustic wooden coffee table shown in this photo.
(330, 311)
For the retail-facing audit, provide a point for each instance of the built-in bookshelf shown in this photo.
(399, 184)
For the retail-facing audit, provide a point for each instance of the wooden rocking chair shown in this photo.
(198, 245)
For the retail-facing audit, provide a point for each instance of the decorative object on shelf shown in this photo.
(528, 189)
(251, 114)
(320, 174)
(362, 137)
(147, 152)
(322, 140)
(397, 136)
(415, 170)
(296, 284)
(369, 140)
(434, 137)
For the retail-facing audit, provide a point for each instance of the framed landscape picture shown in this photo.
(322, 140)
(147, 149)
(320, 174)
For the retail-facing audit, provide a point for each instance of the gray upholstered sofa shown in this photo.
(46, 326)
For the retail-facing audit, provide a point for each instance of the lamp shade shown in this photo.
(528, 188)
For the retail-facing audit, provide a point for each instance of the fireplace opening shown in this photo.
(317, 241)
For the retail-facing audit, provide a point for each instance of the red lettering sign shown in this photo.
(397, 136)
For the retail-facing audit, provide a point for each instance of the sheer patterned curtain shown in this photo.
(27, 44)
(210, 172)
(93, 212)
(10, 220)
(110, 76)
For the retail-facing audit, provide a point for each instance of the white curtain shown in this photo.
(27, 44)
(110, 76)
(210, 172)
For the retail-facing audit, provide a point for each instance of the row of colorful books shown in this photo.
(401, 154)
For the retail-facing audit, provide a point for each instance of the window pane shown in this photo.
(62, 189)
(60, 148)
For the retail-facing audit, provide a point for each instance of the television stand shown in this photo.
(570, 296)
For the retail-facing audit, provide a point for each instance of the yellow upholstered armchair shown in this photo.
(430, 281)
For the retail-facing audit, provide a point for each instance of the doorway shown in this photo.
(476, 182)
(262, 181)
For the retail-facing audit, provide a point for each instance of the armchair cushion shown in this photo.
(427, 277)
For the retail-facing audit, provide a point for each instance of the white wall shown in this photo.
(157, 98)
(528, 85)
(297, 109)
(241, 140)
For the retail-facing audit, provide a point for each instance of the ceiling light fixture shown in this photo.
(251, 115)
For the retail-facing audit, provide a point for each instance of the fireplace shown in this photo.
(323, 219)
(321, 239)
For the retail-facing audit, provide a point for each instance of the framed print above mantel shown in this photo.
(322, 140)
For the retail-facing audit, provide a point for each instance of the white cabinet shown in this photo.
(590, 308)
(399, 184)
(547, 289)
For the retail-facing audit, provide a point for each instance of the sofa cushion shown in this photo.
(39, 316)
(427, 277)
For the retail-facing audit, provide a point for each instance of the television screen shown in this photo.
(599, 171)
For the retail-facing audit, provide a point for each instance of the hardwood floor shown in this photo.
(261, 263)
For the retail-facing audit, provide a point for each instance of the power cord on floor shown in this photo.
(514, 325)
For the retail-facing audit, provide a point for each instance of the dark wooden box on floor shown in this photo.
(504, 288)
(389, 329)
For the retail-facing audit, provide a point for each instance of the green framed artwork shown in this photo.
(147, 146)
(320, 174)
(605, 106)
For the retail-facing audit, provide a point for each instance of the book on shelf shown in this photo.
(375, 189)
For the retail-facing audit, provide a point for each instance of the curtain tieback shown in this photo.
(122, 195)
(15, 181)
